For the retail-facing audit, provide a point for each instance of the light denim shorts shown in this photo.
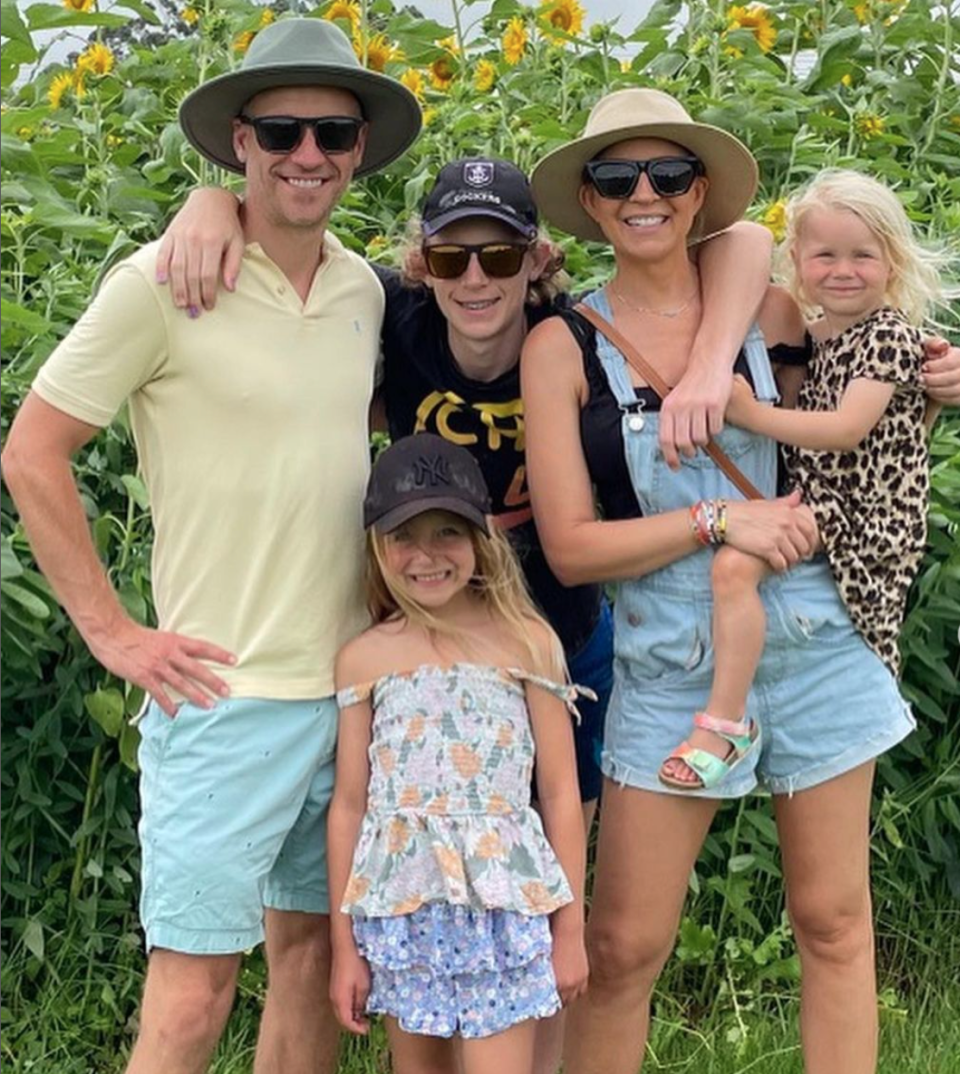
(824, 702)
(234, 810)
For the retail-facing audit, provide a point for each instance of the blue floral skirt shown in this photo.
(446, 970)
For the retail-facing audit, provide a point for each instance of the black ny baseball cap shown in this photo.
(421, 473)
(480, 186)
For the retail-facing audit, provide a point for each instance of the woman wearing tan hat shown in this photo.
(647, 179)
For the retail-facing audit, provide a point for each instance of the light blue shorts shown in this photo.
(824, 702)
(234, 810)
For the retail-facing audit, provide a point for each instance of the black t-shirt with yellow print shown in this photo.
(424, 390)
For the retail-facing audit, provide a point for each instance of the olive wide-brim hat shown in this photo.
(645, 113)
(302, 52)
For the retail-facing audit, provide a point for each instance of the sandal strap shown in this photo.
(733, 728)
(710, 768)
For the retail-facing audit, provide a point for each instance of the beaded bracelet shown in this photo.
(708, 521)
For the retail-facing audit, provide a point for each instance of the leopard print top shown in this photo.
(870, 503)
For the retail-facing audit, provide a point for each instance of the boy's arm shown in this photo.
(203, 243)
(843, 429)
(37, 467)
(734, 273)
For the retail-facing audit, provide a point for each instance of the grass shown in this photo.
(76, 1015)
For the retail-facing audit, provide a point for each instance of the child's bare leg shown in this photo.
(411, 1053)
(509, 1052)
(739, 626)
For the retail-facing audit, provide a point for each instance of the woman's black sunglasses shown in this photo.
(448, 260)
(282, 134)
(669, 176)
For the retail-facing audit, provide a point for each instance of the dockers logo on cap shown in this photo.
(478, 173)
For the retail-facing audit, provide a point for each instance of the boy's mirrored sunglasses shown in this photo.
(448, 260)
(282, 134)
(669, 176)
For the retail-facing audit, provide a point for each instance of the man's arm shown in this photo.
(38, 471)
(734, 274)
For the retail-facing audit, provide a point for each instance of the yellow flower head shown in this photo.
(450, 44)
(242, 41)
(190, 16)
(348, 10)
(484, 76)
(514, 40)
(113, 141)
(863, 12)
(733, 52)
(775, 218)
(380, 51)
(61, 85)
(413, 80)
(266, 17)
(755, 18)
(563, 15)
(846, 80)
(95, 60)
(441, 73)
(78, 5)
(869, 126)
(429, 115)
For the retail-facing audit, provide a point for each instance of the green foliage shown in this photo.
(88, 175)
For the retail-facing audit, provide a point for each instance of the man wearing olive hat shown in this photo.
(251, 430)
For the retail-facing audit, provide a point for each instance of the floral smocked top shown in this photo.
(448, 815)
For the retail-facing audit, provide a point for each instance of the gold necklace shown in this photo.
(671, 313)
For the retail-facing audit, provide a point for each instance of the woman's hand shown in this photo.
(693, 411)
(349, 989)
(570, 963)
(741, 404)
(781, 532)
(204, 240)
(941, 371)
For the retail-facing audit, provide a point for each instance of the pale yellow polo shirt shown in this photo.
(251, 428)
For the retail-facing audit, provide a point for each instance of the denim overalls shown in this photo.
(824, 702)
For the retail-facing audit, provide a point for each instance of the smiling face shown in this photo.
(297, 189)
(841, 265)
(430, 558)
(476, 306)
(646, 223)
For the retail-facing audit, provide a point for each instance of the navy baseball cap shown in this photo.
(480, 186)
(421, 473)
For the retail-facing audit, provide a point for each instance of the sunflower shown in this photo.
(442, 72)
(61, 85)
(775, 218)
(515, 40)
(243, 41)
(563, 15)
(266, 17)
(95, 60)
(869, 125)
(190, 15)
(380, 51)
(755, 18)
(348, 10)
(78, 5)
(413, 80)
(484, 76)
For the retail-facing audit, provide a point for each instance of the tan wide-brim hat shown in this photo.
(645, 113)
(302, 52)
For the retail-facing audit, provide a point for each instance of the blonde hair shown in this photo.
(552, 281)
(914, 284)
(498, 582)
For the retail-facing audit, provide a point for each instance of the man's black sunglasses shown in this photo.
(669, 176)
(449, 260)
(282, 134)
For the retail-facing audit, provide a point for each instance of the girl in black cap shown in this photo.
(458, 915)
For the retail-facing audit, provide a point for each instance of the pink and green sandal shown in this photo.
(743, 736)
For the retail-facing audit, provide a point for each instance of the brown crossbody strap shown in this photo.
(660, 386)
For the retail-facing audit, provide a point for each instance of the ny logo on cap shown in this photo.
(431, 470)
(478, 173)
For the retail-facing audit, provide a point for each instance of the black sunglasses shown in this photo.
(448, 260)
(669, 176)
(282, 134)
